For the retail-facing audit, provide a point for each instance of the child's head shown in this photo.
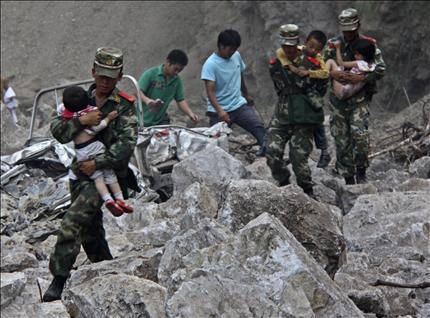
(315, 42)
(175, 62)
(75, 98)
(364, 50)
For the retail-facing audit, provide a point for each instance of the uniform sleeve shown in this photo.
(65, 130)
(380, 68)
(329, 52)
(280, 55)
(208, 71)
(322, 73)
(179, 94)
(126, 130)
(144, 81)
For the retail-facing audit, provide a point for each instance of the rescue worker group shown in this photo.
(103, 122)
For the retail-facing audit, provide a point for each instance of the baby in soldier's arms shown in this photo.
(364, 55)
(75, 101)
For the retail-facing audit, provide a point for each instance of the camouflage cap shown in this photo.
(289, 34)
(348, 20)
(108, 62)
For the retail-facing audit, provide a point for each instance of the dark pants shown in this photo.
(245, 117)
(82, 225)
(320, 137)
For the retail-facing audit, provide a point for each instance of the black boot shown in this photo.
(361, 175)
(324, 160)
(284, 182)
(350, 180)
(309, 192)
(55, 289)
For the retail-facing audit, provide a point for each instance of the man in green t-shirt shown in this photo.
(161, 84)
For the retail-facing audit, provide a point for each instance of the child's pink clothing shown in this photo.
(349, 90)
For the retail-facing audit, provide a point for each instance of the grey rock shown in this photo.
(206, 234)
(214, 167)
(414, 184)
(350, 193)
(270, 269)
(259, 170)
(12, 284)
(420, 168)
(116, 296)
(314, 224)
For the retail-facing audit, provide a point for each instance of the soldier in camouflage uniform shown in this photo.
(349, 121)
(83, 222)
(296, 115)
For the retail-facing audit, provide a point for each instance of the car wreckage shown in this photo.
(158, 149)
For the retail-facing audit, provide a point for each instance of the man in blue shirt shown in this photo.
(228, 97)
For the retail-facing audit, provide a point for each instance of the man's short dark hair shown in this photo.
(365, 48)
(75, 98)
(229, 38)
(317, 35)
(177, 57)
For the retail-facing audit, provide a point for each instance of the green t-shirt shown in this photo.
(153, 84)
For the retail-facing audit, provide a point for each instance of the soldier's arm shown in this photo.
(122, 149)
(65, 130)
(380, 68)
(321, 73)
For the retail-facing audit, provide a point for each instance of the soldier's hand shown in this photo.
(91, 119)
(354, 78)
(303, 73)
(338, 76)
(88, 167)
(224, 116)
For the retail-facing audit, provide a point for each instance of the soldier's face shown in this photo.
(105, 84)
(226, 51)
(290, 51)
(350, 35)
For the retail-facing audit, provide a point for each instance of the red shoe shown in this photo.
(124, 206)
(114, 208)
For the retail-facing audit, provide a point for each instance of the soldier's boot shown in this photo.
(350, 180)
(361, 175)
(54, 290)
(325, 159)
(284, 182)
(309, 192)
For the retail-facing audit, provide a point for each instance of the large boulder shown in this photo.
(116, 296)
(316, 225)
(262, 272)
(388, 250)
(213, 167)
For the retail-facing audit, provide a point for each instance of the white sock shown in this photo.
(118, 195)
(106, 197)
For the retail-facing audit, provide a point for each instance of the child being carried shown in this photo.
(364, 56)
(75, 101)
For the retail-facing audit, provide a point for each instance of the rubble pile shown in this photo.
(227, 242)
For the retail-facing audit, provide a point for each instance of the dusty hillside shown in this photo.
(46, 43)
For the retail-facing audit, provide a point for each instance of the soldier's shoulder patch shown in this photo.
(368, 38)
(127, 97)
(272, 61)
(313, 60)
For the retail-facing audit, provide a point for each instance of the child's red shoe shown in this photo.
(124, 206)
(114, 208)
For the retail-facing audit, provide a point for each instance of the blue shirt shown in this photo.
(226, 73)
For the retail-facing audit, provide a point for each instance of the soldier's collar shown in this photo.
(113, 96)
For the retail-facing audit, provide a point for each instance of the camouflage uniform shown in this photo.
(294, 119)
(83, 222)
(349, 122)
